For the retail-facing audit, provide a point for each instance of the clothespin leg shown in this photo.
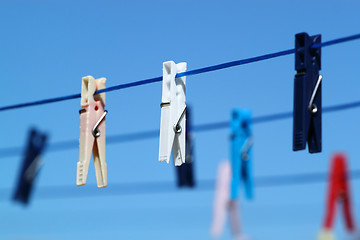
(330, 207)
(100, 165)
(221, 199)
(99, 152)
(315, 138)
(166, 137)
(235, 166)
(85, 149)
(299, 120)
(179, 146)
(235, 223)
(234, 217)
(349, 221)
(248, 180)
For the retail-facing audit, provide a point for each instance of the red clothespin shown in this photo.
(338, 191)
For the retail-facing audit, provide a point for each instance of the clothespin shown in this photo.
(223, 204)
(185, 172)
(241, 152)
(172, 127)
(30, 166)
(338, 192)
(307, 94)
(92, 131)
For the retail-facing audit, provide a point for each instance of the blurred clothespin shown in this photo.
(185, 172)
(307, 94)
(92, 131)
(338, 192)
(173, 117)
(223, 204)
(30, 167)
(241, 152)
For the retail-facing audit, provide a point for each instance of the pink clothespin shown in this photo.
(223, 204)
(92, 131)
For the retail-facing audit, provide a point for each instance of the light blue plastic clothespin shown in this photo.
(241, 152)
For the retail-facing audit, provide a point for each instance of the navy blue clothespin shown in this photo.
(185, 172)
(241, 152)
(30, 166)
(307, 93)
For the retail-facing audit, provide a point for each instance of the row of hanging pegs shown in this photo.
(174, 137)
(306, 116)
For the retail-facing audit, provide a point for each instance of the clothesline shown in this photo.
(124, 189)
(63, 145)
(188, 73)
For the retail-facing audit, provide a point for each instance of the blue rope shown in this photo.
(39, 102)
(59, 146)
(336, 41)
(341, 107)
(188, 73)
(161, 187)
(236, 63)
(128, 85)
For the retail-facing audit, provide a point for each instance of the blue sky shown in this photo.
(48, 46)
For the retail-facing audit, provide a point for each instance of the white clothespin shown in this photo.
(92, 131)
(172, 128)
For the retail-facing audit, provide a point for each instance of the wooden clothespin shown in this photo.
(307, 94)
(173, 117)
(241, 152)
(92, 131)
(338, 192)
(30, 167)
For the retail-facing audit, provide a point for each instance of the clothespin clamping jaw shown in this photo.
(241, 152)
(307, 93)
(30, 166)
(173, 117)
(185, 172)
(338, 192)
(92, 131)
